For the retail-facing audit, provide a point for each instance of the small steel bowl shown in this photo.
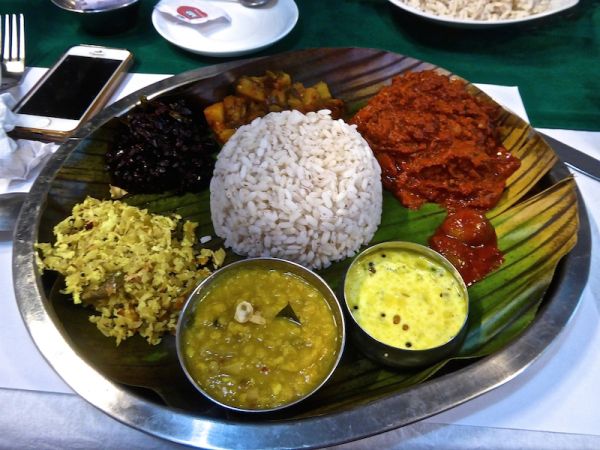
(396, 356)
(109, 19)
(270, 264)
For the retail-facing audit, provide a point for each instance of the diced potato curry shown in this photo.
(256, 96)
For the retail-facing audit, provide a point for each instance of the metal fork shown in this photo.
(12, 41)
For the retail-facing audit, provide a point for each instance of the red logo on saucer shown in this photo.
(191, 12)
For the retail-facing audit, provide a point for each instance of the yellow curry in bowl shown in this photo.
(260, 334)
(409, 304)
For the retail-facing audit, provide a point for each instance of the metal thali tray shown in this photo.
(182, 420)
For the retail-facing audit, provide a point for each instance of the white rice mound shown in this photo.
(305, 188)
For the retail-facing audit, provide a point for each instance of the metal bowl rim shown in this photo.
(65, 7)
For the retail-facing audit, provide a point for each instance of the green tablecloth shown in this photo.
(555, 61)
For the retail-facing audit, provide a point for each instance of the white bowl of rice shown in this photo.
(305, 188)
(481, 13)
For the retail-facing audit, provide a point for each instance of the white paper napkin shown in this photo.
(17, 158)
(192, 12)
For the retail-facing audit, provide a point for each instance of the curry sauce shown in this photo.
(436, 143)
(245, 351)
(405, 299)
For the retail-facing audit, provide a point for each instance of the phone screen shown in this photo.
(71, 88)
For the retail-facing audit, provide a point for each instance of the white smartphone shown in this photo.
(76, 87)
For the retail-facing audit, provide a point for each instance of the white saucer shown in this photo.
(250, 29)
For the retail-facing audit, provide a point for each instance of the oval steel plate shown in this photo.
(220, 431)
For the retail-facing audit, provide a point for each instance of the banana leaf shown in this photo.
(536, 223)
(533, 236)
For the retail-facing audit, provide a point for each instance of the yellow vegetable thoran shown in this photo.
(133, 267)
